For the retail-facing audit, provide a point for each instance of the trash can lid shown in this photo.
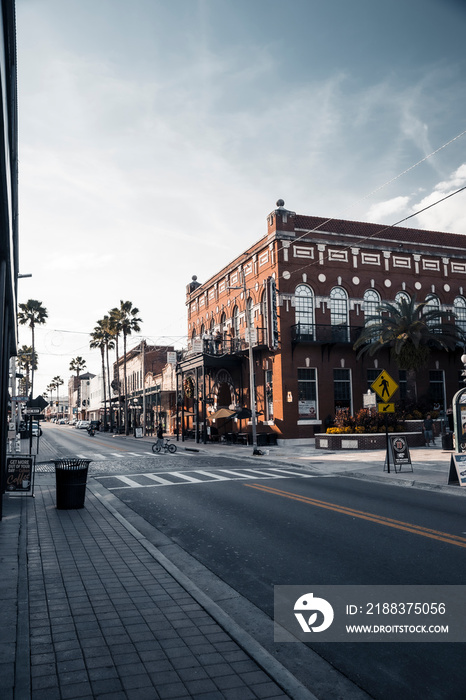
(71, 463)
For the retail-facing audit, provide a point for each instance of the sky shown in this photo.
(155, 136)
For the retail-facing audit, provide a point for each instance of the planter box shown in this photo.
(363, 441)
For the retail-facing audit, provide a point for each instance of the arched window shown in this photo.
(432, 304)
(235, 322)
(339, 315)
(250, 319)
(459, 307)
(371, 302)
(304, 311)
(402, 295)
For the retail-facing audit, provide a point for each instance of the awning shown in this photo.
(222, 413)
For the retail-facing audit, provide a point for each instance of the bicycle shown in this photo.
(166, 446)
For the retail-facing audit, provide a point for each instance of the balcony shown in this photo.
(223, 344)
(318, 334)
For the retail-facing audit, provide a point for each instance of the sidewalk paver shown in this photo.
(108, 621)
(89, 612)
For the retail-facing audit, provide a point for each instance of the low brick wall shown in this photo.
(362, 441)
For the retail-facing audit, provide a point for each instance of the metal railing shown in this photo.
(224, 344)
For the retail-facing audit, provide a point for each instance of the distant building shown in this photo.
(310, 282)
(149, 393)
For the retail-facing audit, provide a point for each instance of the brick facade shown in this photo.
(320, 277)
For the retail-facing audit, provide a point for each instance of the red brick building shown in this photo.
(309, 284)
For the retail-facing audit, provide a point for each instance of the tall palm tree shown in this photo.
(77, 364)
(129, 323)
(409, 330)
(48, 393)
(26, 360)
(106, 326)
(32, 314)
(57, 382)
(101, 339)
(115, 326)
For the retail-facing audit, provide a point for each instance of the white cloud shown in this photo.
(384, 211)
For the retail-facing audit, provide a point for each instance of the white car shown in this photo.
(36, 429)
(83, 424)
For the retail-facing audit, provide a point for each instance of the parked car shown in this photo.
(36, 429)
(83, 424)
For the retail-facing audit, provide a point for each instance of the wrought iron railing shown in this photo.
(224, 344)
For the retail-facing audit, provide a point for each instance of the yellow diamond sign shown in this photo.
(384, 386)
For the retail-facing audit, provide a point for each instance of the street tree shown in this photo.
(129, 323)
(57, 382)
(101, 339)
(115, 327)
(77, 364)
(410, 331)
(32, 314)
(26, 360)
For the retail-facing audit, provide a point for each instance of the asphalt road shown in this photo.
(256, 530)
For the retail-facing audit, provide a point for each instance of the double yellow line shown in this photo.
(379, 519)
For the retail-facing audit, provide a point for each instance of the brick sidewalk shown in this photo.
(101, 618)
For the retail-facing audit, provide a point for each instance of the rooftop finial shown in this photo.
(280, 202)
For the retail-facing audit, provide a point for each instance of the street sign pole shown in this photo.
(384, 386)
(387, 448)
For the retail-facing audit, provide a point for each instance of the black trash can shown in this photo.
(447, 441)
(70, 480)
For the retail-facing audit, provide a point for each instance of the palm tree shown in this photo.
(115, 326)
(76, 365)
(57, 382)
(129, 323)
(33, 314)
(105, 324)
(101, 339)
(410, 330)
(26, 360)
(48, 393)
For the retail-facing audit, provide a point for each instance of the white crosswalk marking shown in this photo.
(129, 482)
(212, 475)
(158, 479)
(287, 471)
(191, 477)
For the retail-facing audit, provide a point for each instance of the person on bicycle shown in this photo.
(160, 435)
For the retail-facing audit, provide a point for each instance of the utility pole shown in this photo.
(252, 385)
(143, 351)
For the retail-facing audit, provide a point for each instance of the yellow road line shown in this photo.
(372, 517)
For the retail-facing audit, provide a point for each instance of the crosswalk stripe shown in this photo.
(287, 471)
(159, 479)
(239, 474)
(191, 479)
(188, 478)
(211, 475)
(129, 482)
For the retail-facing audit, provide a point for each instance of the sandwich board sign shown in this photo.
(20, 473)
(398, 452)
(457, 474)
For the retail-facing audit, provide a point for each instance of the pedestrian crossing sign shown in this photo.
(384, 386)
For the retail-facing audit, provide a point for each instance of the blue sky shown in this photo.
(156, 136)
